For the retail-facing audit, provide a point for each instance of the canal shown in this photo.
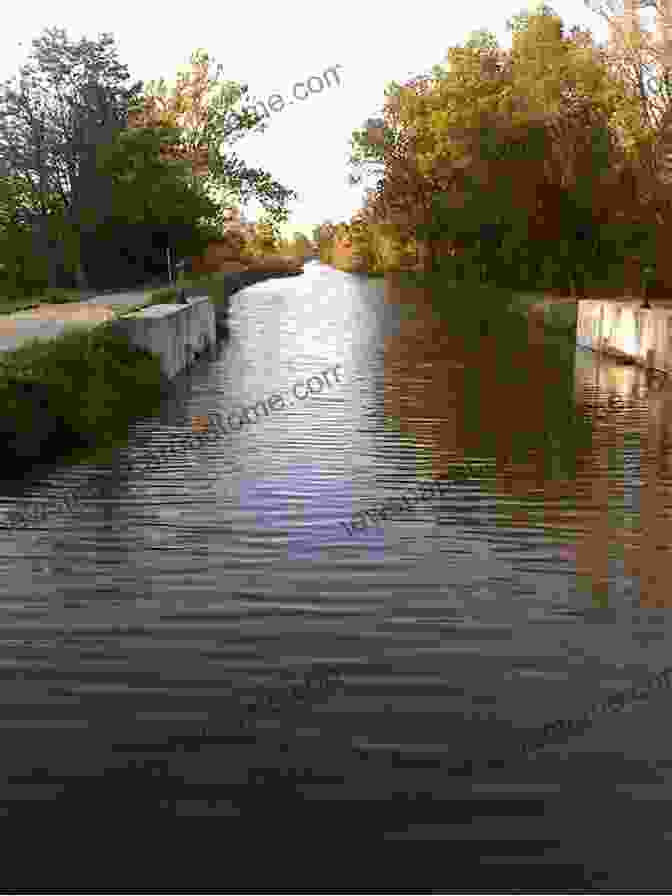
(203, 639)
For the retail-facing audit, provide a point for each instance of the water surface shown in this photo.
(206, 633)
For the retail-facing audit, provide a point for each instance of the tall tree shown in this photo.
(495, 129)
(71, 97)
(212, 114)
(155, 205)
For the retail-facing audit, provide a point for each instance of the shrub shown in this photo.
(60, 296)
(168, 294)
(89, 382)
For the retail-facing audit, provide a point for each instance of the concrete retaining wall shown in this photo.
(625, 331)
(233, 282)
(177, 333)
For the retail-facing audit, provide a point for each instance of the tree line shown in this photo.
(100, 176)
(545, 166)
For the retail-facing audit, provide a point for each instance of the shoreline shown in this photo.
(39, 423)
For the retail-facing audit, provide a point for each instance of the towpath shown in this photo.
(47, 321)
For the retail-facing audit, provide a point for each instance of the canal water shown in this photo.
(202, 638)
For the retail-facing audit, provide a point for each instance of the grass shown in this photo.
(167, 294)
(471, 303)
(9, 306)
(84, 385)
(94, 383)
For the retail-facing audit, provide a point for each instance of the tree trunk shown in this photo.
(80, 277)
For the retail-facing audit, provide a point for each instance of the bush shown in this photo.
(61, 296)
(89, 384)
(168, 294)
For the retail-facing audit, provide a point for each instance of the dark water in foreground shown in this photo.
(206, 684)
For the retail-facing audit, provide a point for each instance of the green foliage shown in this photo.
(95, 381)
(521, 21)
(23, 273)
(498, 244)
(154, 203)
(69, 96)
(533, 145)
(103, 192)
(503, 165)
(487, 336)
(368, 147)
(42, 123)
(218, 115)
(482, 39)
(62, 296)
(167, 295)
(300, 247)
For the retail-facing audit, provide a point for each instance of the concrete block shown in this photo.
(626, 331)
(177, 333)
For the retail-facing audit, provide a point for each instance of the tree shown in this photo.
(155, 202)
(71, 97)
(391, 146)
(300, 246)
(21, 271)
(212, 114)
(324, 235)
(267, 237)
(504, 165)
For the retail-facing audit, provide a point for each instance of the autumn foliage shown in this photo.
(184, 107)
(534, 166)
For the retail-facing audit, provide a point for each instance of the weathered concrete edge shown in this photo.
(178, 334)
(652, 358)
(35, 449)
(233, 282)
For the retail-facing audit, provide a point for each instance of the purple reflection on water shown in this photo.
(308, 505)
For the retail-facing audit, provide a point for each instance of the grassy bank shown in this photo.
(219, 286)
(479, 308)
(72, 397)
(270, 265)
(72, 394)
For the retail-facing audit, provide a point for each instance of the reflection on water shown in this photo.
(594, 505)
(630, 472)
(206, 633)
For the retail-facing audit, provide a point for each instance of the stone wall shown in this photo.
(177, 333)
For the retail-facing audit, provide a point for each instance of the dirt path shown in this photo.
(75, 312)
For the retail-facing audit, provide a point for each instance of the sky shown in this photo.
(271, 47)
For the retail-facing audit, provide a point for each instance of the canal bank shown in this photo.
(76, 389)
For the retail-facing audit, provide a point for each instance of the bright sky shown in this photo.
(274, 46)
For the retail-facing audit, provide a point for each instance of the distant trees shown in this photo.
(324, 235)
(266, 238)
(300, 246)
